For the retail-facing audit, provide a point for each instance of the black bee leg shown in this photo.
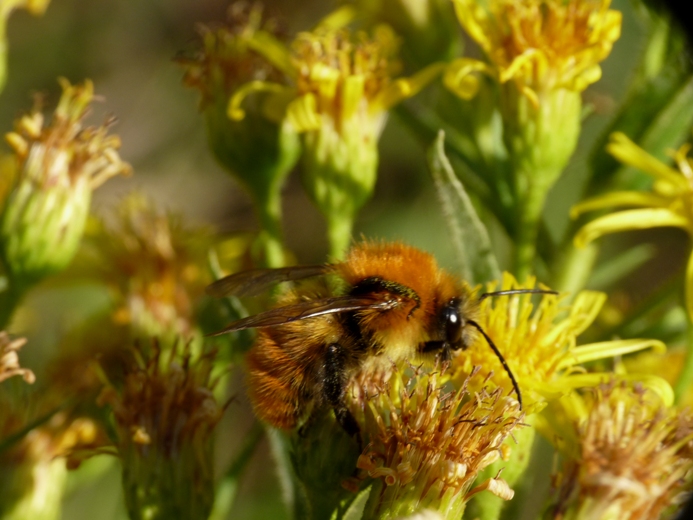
(441, 348)
(334, 387)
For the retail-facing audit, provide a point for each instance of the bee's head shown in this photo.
(454, 326)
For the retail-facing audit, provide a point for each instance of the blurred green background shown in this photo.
(127, 49)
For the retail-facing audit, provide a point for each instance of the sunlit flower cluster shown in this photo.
(539, 342)
(539, 45)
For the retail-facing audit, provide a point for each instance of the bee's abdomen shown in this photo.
(278, 385)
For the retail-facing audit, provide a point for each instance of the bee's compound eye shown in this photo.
(453, 324)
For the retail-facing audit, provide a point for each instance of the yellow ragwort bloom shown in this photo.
(627, 454)
(339, 88)
(539, 45)
(426, 445)
(540, 344)
(668, 204)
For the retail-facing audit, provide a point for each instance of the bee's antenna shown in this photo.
(501, 358)
(516, 291)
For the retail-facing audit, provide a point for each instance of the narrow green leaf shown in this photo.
(468, 234)
(355, 509)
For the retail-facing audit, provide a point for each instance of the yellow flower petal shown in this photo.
(403, 88)
(605, 349)
(234, 110)
(627, 152)
(337, 19)
(303, 113)
(628, 220)
(619, 198)
(460, 76)
(689, 288)
(274, 51)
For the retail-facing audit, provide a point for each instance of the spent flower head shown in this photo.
(628, 455)
(155, 266)
(426, 442)
(57, 166)
(164, 413)
(9, 360)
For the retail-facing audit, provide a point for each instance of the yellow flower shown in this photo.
(9, 361)
(340, 86)
(668, 204)
(539, 45)
(628, 454)
(426, 446)
(539, 344)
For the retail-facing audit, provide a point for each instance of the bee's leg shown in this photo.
(334, 387)
(441, 348)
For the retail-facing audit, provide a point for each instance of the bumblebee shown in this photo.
(395, 304)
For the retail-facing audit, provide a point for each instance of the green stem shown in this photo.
(574, 268)
(339, 228)
(683, 384)
(530, 208)
(9, 301)
(270, 213)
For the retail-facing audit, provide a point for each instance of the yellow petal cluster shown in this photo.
(336, 75)
(538, 44)
(539, 343)
(669, 203)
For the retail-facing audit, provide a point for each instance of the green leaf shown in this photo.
(468, 234)
(226, 489)
(355, 509)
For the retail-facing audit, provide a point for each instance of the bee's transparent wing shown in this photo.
(255, 281)
(311, 309)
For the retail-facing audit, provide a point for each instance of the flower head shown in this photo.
(339, 86)
(164, 414)
(539, 45)
(9, 361)
(153, 263)
(427, 444)
(629, 456)
(57, 167)
(539, 343)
